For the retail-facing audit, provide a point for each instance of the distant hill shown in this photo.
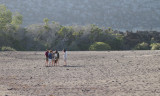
(118, 14)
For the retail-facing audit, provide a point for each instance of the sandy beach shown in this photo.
(104, 73)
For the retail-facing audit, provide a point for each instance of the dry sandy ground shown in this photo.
(114, 73)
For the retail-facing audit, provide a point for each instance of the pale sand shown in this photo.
(114, 73)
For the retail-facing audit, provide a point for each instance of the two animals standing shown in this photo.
(53, 58)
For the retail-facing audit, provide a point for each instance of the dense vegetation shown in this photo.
(55, 36)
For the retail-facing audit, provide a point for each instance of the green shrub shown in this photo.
(5, 48)
(155, 46)
(99, 46)
(142, 46)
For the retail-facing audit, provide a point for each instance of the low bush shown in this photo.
(142, 46)
(6, 48)
(99, 46)
(155, 46)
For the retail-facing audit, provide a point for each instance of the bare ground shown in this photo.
(114, 73)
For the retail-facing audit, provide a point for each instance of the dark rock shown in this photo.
(10, 88)
(85, 90)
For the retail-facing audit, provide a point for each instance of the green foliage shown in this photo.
(5, 16)
(53, 22)
(62, 32)
(17, 20)
(65, 35)
(6, 48)
(95, 33)
(11, 29)
(117, 42)
(142, 46)
(46, 26)
(109, 30)
(99, 46)
(153, 40)
(56, 36)
(155, 46)
(77, 35)
(45, 20)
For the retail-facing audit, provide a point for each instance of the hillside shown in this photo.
(119, 14)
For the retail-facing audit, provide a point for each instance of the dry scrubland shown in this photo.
(117, 73)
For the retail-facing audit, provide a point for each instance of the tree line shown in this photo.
(53, 36)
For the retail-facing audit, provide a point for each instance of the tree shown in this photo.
(109, 30)
(45, 20)
(117, 42)
(142, 46)
(95, 33)
(155, 46)
(5, 17)
(17, 20)
(99, 46)
(65, 36)
(62, 32)
(153, 40)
